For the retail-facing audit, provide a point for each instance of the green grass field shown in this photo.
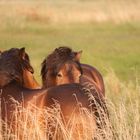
(108, 32)
(104, 46)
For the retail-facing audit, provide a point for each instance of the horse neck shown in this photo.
(18, 92)
(29, 81)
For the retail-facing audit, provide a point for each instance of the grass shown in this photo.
(104, 46)
(123, 104)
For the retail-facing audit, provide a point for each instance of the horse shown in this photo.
(60, 67)
(16, 77)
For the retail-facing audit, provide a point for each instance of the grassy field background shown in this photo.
(108, 32)
(41, 26)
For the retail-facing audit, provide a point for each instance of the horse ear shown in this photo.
(78, 55)
(22, 53)
(25, 62)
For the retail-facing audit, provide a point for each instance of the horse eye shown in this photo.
(59, 75)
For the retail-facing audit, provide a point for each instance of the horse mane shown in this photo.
(11, 60)
(56, 59)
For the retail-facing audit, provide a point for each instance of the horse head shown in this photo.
(13, 63)
(62, 66)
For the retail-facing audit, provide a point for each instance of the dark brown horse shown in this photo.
(61, 67)
(14, 69)
(54, 70)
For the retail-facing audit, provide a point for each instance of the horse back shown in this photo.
(92, 75)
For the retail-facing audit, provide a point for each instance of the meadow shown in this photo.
(107, 31)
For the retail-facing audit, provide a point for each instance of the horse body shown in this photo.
(72, 100)
(69, 96)
(13, 94)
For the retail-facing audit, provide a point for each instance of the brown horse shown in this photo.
(14, 69)
(54, 72)
(61, 67)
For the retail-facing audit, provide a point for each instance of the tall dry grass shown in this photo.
(37, 124)
(25, 12)
(123, 101)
